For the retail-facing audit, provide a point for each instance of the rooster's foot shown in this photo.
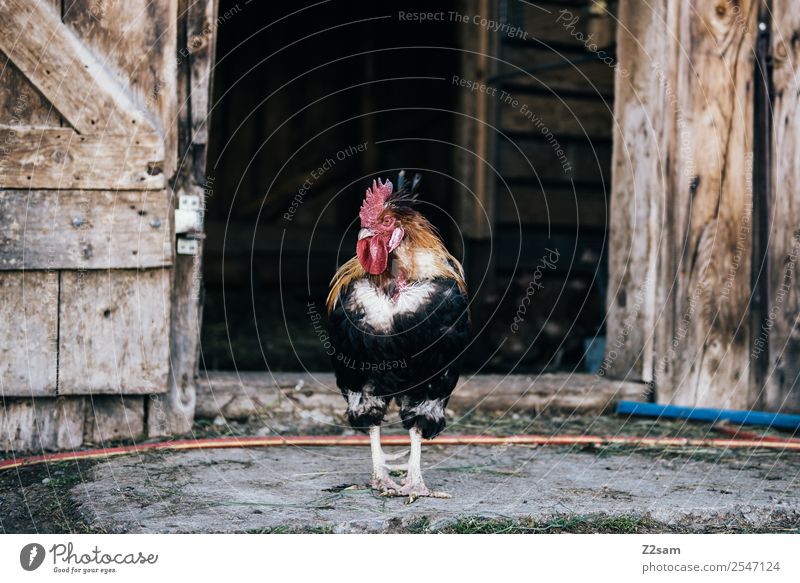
(384, 485)
(414, 491)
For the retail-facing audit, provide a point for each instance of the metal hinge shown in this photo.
(188, 224)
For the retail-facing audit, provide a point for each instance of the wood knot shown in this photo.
(60, 156)
(694, 185)
(198, 42)
(781, 52)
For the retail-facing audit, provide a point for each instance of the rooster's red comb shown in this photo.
(374, 201)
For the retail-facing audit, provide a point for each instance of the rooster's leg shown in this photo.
(413, 485)
(381, 480)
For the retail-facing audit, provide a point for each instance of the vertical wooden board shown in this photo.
(114, 331)
(201, 32)
(781, 326)
(138, 39)
(29, 330)
(471, 131)
(173, 413)
(473, 159)
(703, 343)
(640, 126)
(112, 418)
(31, 425)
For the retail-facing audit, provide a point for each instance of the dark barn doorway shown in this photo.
(311, 102)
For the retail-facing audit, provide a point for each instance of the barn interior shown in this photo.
(313, 101)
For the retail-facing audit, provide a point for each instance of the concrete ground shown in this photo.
(495, 489)
(311, 489)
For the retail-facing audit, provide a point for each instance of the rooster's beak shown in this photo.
(364, 233)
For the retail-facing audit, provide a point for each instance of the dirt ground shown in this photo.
(495, 489)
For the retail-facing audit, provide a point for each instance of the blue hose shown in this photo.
(779, 420)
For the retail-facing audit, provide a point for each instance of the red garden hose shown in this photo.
(363, 440)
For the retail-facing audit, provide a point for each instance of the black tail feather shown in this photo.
(407, 192)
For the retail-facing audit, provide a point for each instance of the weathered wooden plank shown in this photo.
(582, 161)
(642, 119)
(29, 332)
(575, 74)
(557, 25)
(173, 413)
(20, 102)
(60, 158)
(580, 249)
(201, 35)
(31, 425)
(781, 326)
(703, 334)
(138, 40)
(548, 116)
(112, 418)
(475, 209)
(67, 73)
(114, 331)
(556, 207)
(243, 395)
(78, 229)
(474, 201)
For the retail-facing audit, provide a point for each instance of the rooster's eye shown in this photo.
(387, 220)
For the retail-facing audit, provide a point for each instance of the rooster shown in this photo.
(399, 323)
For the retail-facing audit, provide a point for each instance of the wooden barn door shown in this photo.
(89, 148)
(703, 297)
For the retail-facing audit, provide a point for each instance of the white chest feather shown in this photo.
(380, 310)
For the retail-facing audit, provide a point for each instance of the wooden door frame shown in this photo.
(173, 412)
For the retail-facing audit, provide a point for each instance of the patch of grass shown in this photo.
(623, 524)
(421, 525)
(280, 529)
(556, 524)
(484, 526)
(283, 529)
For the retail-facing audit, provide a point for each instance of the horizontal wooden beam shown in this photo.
(28, 425)
(243, 395)
(60, 158)
(555, 207)
(76, 229)
(112, 418)
(551, 71)
(552, 117)
(567, 161)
